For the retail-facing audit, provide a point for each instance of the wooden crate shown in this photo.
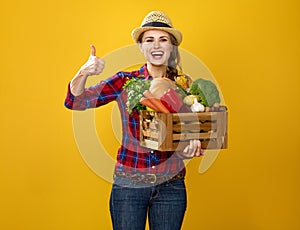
(173, 131)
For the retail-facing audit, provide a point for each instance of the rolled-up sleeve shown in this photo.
(102, 93)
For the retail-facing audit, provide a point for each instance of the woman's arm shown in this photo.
(93, 66)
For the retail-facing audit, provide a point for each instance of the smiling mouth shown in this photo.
(157, 54)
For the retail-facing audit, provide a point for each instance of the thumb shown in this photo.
(93, 50)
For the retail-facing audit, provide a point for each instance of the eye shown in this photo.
(148, 40)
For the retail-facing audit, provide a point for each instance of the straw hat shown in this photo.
(159, 21)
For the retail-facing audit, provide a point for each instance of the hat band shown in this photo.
(156, 24)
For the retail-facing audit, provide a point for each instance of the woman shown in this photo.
(146, 182)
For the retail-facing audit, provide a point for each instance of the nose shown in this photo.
(156, 44)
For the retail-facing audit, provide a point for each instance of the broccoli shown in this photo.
(206, 90)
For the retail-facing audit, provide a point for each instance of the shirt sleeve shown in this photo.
(102, 93)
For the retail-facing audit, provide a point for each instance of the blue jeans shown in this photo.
(165, 205)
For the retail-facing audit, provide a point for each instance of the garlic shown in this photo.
(197, 107)
(189, 100)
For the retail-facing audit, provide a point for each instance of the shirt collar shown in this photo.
(144, 71)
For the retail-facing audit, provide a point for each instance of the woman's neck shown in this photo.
(157, 71)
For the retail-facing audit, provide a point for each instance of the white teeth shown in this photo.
(157, 53)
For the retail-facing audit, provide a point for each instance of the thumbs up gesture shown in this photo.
(94, 65)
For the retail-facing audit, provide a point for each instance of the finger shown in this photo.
(186, 149)
(199, 145)
(202, 152)
(93, 50)
(186, 153)
(198, 151)
(195, 150)
(192, 146)
(100, 62)
(190, 149)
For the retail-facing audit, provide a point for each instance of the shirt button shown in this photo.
(152, 151)
(153, 167)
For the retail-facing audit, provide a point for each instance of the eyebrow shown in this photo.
(164, 36)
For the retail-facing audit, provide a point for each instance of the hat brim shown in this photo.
(176, 33)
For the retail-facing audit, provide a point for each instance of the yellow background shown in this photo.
(252, 48)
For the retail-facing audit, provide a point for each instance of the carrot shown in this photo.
(147, 102)
(155, 104)
(160, 105)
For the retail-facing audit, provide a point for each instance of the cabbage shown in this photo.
(206, 90)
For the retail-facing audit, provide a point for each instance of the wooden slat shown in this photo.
(191, 136)
(150, 134)
(183, 127)
(225, 124)
(205, 144)
(165, 130)
(179, 146)
(205, 116)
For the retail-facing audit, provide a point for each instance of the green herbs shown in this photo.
(135, 88)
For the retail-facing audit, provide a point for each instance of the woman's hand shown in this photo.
(93, 66)
(192, 150)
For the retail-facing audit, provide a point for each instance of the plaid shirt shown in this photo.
(131, 156)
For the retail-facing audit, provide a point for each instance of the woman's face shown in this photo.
(156, 46)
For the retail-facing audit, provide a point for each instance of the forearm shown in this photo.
(93, 66)
(77, 84)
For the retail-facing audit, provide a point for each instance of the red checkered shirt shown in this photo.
(131, 157)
